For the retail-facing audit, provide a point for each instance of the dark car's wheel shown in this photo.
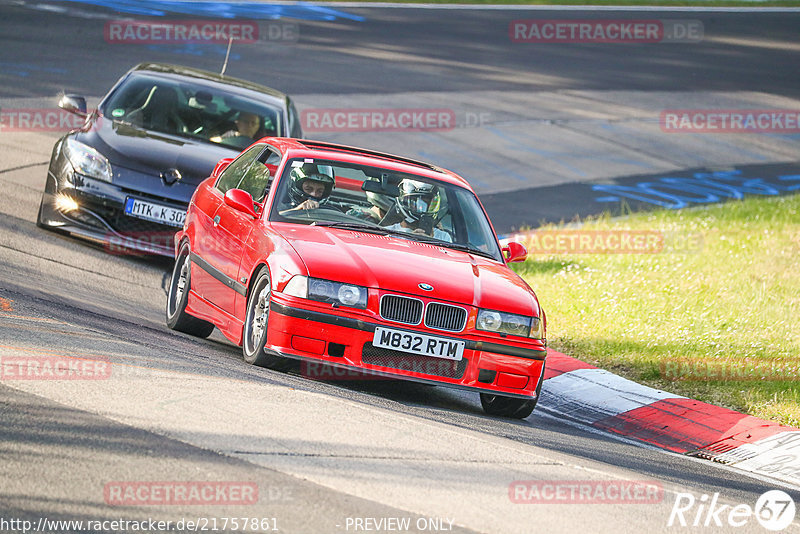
(255, 326)
(507, 406)
(177, 318)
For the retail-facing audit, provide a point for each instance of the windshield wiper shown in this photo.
(468, 248)
(364, 227)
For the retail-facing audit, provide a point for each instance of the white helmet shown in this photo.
(419, 199)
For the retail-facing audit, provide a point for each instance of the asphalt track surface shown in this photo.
(320, 452)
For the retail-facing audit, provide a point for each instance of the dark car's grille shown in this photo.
(115, 218)
(445, 317)
(131, 225)
(401, 309)
(403, 361)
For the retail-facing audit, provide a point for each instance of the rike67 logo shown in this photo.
(774, 510)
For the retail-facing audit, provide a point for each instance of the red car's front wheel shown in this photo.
(256, 324)
(507, 406)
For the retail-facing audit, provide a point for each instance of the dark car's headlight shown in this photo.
(87, 161)
(327, 291)
(509, 323)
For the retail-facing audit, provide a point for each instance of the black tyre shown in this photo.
(254, 336)
(509, 406)
(501, 406)
(179, 284)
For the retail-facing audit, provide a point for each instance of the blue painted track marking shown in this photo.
(227, 10)
(791, 178)
(702, 188)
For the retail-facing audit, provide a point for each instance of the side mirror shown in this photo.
(515, 252)
(240, 200)
(221, 166)
(74, 104)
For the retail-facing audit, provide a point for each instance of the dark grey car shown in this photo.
(126, 177)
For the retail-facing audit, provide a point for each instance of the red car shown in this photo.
(366, 261)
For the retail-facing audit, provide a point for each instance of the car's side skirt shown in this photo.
(230, 326)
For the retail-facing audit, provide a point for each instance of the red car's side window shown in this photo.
(232, 176)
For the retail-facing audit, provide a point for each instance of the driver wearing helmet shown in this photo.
(308, 187)
(422, 206)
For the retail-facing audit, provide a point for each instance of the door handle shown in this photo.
(216, 221)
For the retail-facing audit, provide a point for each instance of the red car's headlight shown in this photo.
(327, 291)
(509, 323)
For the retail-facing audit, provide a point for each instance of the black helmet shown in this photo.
(420, 199)
(308, 171)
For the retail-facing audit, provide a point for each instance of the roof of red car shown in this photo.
(321, 149)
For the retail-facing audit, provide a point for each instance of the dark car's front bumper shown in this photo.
(95, 210)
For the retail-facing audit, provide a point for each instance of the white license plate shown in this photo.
(154, 212)
(415, 343)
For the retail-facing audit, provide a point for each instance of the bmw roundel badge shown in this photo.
(425, 287)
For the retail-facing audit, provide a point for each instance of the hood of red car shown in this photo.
(401, 265)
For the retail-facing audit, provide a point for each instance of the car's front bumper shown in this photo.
(345, 342)
(94, 210)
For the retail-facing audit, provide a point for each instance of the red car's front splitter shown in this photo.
(346, 344)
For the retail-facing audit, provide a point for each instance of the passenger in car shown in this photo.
(422, 207)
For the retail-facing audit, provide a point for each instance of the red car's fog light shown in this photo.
(508, 380)
(307, 344)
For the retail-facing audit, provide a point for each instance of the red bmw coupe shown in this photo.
(305, 250)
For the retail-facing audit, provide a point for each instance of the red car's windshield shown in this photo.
(327, 192)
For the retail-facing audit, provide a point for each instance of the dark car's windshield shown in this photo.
(189, 109)
(373, 199)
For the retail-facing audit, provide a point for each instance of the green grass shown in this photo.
(694, 3)
(732, 296)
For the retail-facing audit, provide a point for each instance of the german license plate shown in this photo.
(416, 343)
(151, 211)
